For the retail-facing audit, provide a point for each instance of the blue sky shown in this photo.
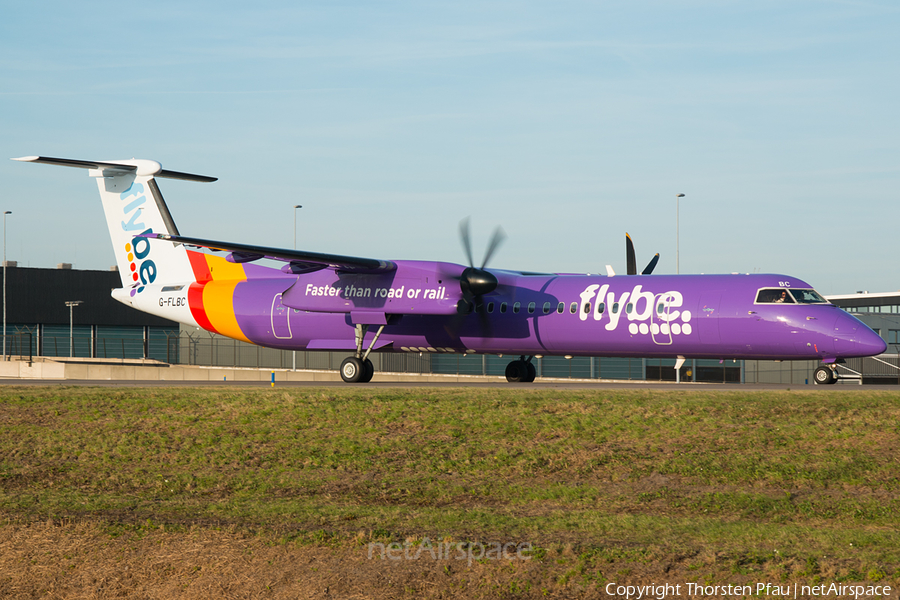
(568, 123)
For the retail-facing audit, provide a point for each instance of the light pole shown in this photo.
(8, 212)
(294, 352)
(677, 197)
(296, 206)
(72, 304)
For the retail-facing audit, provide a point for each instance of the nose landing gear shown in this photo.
(825, 375)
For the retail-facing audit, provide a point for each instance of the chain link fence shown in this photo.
(205, 349)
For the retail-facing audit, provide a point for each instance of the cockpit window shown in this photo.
(808, 297)
(772, 296)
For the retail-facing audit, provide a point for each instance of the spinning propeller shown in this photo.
(476, 281)
(630, 260)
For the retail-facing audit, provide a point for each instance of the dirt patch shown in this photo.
(85, 560)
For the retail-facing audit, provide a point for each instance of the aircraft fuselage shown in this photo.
(694, 316)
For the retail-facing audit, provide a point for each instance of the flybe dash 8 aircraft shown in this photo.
(318, 301)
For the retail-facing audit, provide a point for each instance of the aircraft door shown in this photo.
(659, 322)
(281, 324)
(707, 318)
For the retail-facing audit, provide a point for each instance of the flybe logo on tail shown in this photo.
(142, 268)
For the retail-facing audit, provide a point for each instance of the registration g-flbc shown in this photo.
(170, 301)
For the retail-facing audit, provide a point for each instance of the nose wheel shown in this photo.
(825, 376)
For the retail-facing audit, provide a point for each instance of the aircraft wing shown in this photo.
(300, 260)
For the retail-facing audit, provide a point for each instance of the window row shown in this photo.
(887, 308)
(560, 308)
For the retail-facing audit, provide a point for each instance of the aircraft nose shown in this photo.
(872, 342)
(853, 338)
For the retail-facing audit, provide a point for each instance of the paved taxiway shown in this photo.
(537, 385)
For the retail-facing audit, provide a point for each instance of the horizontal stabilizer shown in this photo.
(141, 167)
(247, 253)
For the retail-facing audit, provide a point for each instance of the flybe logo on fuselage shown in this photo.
(647, 312)
(142, 268)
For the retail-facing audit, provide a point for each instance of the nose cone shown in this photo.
(853, 338)
(872, 343)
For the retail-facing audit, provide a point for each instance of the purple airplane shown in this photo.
(330, 302)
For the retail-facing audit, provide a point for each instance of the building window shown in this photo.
(893, 336)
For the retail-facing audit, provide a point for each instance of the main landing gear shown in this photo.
(521, 371)
(826, 375)
(359, 369)
(355, 370)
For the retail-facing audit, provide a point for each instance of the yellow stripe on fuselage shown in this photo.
(218, 296)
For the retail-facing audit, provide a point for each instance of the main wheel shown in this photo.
(369, 371)
(532, 372)
(352, 370)
(824, 376)
(516, 371)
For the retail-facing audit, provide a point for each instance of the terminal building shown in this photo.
(40, 322)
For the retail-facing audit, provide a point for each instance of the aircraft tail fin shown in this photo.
(134, 205)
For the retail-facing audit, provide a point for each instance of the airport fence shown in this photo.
(205, 349)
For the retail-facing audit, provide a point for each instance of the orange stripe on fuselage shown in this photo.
(212, 298)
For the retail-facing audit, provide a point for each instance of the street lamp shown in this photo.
(8, 212)
(72, 304)
(677, 196)
(296, 206)
(294, 352)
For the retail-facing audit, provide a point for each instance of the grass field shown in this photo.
(299, 485)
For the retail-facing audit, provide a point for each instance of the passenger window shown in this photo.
(531, 308)
(561, 308)
(615, 307)
(587, 307)
(546, 308)
(601, 308)
(502, 307)
(574, 308)
(516, 307)
(628, 307)
(490, 307)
